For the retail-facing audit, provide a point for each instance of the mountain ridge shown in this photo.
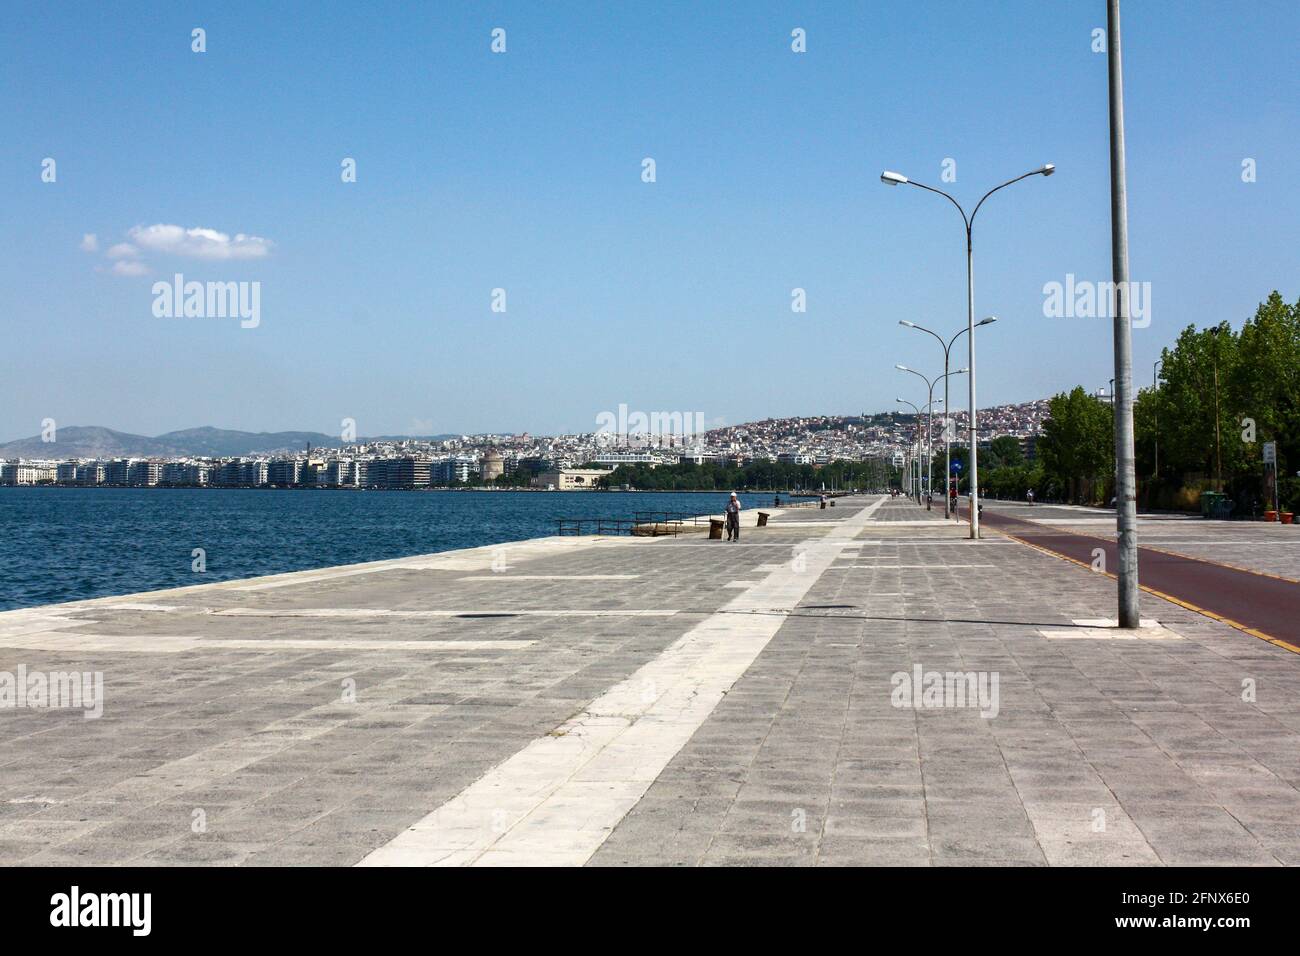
(206, 441)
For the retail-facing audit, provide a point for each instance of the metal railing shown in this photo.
(607, 526)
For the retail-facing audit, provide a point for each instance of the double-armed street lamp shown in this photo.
(897, 179)
(929, 424)
(914, 473)
(947, 408)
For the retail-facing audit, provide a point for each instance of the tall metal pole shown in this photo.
(1125, 479)
(970, 364)
(1155, 414)
(929, 447)
(947, 449)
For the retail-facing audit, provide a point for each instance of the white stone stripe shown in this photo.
(555, 801)
(351, 612)
(173, 643)
(907, 567)
(507, 577)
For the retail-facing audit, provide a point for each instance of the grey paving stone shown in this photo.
(1154, 733)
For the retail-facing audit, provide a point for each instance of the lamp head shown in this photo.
(989, 321)
(1047, 170)
(892, 179)
(902, 368)
(910, 325)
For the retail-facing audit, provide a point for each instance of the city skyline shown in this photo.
(523, 170)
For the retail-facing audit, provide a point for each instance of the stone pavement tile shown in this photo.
(1211, 840)
(845, 850)
(887, 803)
(196, 853)
(758, 850)
(956, 818)
(844, 825)
(51, 832)
(15, 851)
(1101, 849)
(975, 846)
(89, 852)
(1281, 840)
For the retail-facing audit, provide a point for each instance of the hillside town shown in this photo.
(560, 462)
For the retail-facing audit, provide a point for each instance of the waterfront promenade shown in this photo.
(674, 701)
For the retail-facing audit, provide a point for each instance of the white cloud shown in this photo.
(89, 242)
(198, 243)
(123, 250)
(129, 267)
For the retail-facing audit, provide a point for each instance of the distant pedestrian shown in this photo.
(1029, 496)
(733, 518)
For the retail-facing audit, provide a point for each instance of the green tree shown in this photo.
(1005, 451)
(1077, 446)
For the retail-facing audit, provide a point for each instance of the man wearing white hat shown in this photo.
(733, 518)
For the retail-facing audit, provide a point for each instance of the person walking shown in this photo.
(733, 518)
(1029, 496)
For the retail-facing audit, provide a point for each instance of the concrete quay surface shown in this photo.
(854, 685)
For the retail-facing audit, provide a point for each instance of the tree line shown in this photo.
(1217, 396)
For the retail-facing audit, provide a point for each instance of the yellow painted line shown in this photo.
(1245, 628)
(1253, 632)
(1176, 554)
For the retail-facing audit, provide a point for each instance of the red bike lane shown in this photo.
(1262, 605)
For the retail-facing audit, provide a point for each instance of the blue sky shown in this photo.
(522, 171)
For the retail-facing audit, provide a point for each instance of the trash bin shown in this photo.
(762, 519)
(1208, 501)
(832, 502)
(715, 529)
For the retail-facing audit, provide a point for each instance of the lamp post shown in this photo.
(1155, 414)
(917, 442)
(1126, 547)
(947, 408)
(1218, 453)
(897, 179)
(929, 429)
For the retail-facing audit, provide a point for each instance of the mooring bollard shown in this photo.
(715, 529)
(762, 519)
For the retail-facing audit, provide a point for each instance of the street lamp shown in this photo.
(897, 179)
(1155, 412)
(929, 424)
(917, 442)
(1218, 453)
(947, 450)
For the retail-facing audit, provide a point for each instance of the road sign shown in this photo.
(956, 467)
(1270, 453)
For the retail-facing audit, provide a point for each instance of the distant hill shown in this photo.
(91, 441)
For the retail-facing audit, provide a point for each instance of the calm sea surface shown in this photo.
(67, 544)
